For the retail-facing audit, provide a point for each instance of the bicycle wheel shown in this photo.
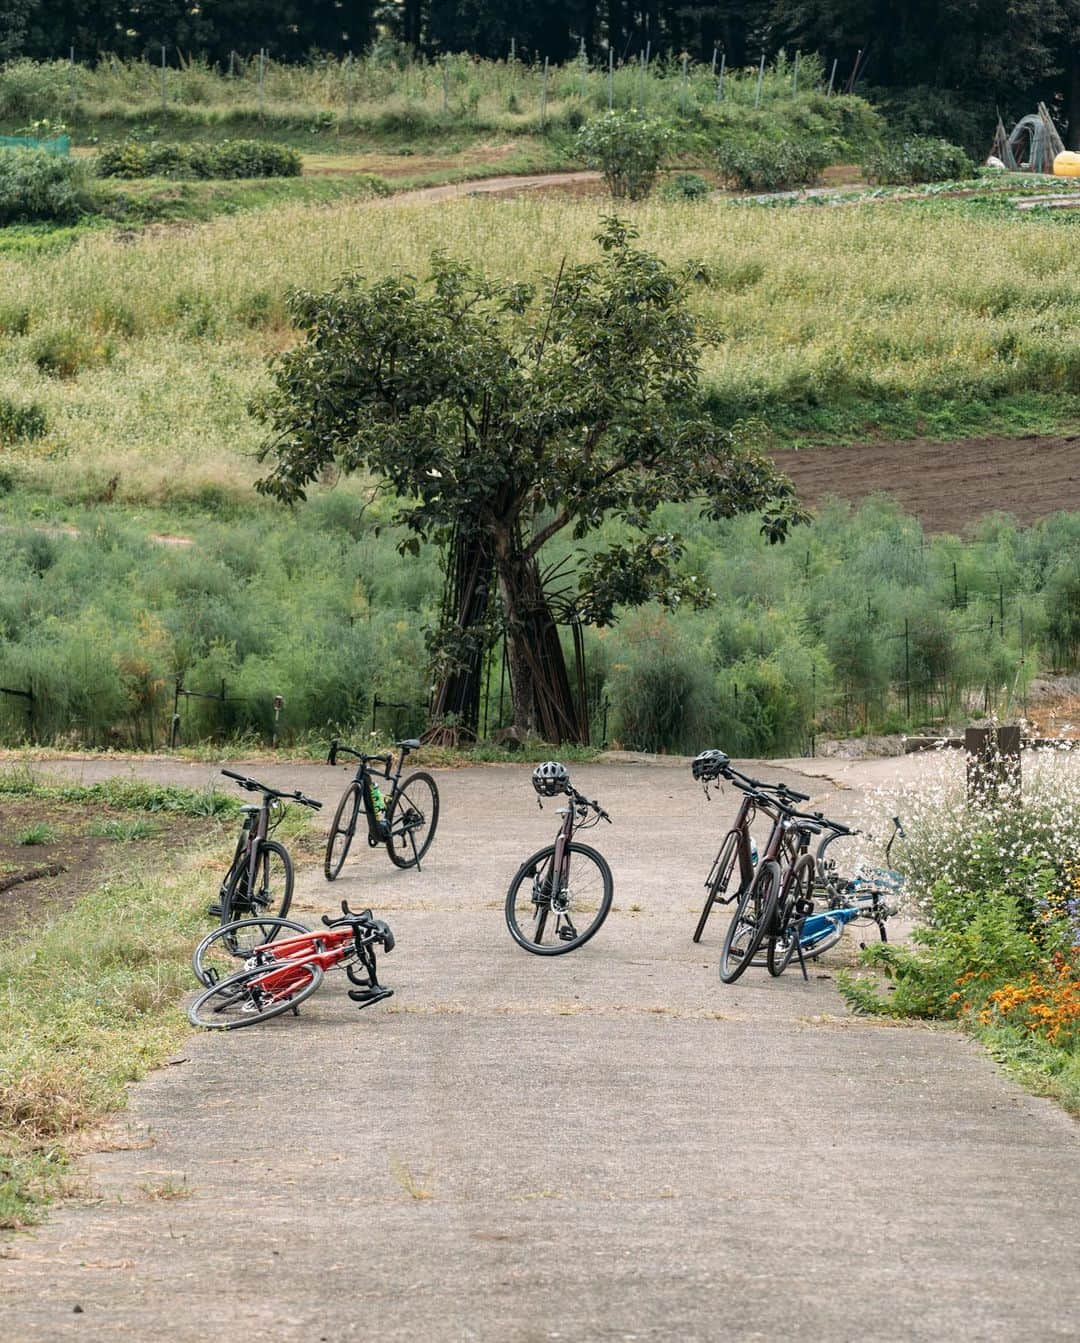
(342, 829)
(751, 921)
(411, 820)
(791, 913)
(722, 870)
(255, 995)
(568, 916)
(272, 891)
(222, 952)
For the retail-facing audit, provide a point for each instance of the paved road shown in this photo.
(608, 1146)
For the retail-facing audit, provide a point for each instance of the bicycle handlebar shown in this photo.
(580, 800)
(253, 786)
(339, 748)
(364, 922)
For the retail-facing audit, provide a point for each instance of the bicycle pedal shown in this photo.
(567, 934)
(214, 910)
(365, 997)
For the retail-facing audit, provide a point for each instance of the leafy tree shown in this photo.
(628, 149)
(517, 414)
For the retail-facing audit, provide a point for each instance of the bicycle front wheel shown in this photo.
(271, 892)
(342, 829)
(751, 921)
(796, 904)
(550, 914)
(721, 874)
(222, 952)
(411, 820)
(255, 995)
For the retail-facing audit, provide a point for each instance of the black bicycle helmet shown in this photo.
(551, 778)
(709, 765)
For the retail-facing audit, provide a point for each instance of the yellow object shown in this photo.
(1067, 164)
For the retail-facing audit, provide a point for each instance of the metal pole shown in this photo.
(543, 95)
(760, 78)
(813, 709)
(1001, 610)
(714, 51)
(795, 78)
(682, 91)
(446, 85)
(262, 83)
(907, 669)
(611, 78)
(163, 81)
(832, 77)
(584, 64)
(720, 86)
(349, 84)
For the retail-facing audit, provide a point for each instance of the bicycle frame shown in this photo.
(253, 834)
(378, 831)
(740, 828)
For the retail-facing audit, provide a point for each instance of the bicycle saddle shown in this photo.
(409, 744)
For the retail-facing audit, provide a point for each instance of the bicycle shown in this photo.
(260, 877)
(404, 821)
(278, 977)
(566, 881)
(738, 846)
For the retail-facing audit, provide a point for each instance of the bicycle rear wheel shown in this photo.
(222, 952)
(342, 829)
(750, 922)
(550, 917)
(722, 870)
(272, 891)
(411, 820)
(255, 995)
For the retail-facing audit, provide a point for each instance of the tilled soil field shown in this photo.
(946, 485)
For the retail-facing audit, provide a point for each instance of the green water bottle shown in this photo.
(378, 803)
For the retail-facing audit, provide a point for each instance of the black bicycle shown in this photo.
(563, 892)
(404, 818)
(260, 878)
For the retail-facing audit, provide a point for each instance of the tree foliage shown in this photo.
(519, 412)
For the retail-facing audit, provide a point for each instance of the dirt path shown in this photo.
(946, 485)
(606, 1146)
(491, 186)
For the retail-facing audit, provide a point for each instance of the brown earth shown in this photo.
(946, 485)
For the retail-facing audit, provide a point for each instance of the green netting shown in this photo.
(58, 144)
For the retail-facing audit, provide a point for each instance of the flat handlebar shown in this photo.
(253, 786)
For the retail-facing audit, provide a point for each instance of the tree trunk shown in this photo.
(544, 702)
(1072, 100)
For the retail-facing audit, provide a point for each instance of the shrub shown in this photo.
(685, 187)
(36, 186)
(229, 159)
(756, 163)
(20, 421)
(917, 158)
(627, 148)
(661, 689)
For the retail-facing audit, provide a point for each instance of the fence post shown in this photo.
(993, 759)
(543, 96)
(446, 85)
(720, 85)
(832, 77)
(262, 83)
(349, 85)
(611, 78)
(907, 670)
(174, 728)
(760, 79)
(163, 98)
(795, 77)
(682, 91)
(584, 63)
(714, 51)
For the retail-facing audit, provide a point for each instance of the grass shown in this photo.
(123, 794)
(90, 1004)
(125, 831)
(35, 834)
(891, 319)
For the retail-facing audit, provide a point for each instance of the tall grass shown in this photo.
(422, 98)
(143, 352)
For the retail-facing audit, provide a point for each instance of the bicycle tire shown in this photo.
(723, 868)
(236, 941)
(417, 808)
(759, 900)
(232, 993)
(241, 904)
(528, 872)
(334, 861)
(784, 940)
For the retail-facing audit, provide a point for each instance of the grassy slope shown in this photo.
(889, 318)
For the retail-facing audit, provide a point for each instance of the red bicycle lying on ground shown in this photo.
(278, 976)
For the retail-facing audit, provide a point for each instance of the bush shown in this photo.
(685, 187)
(756, 163)
(38, 186)
(917, 158)
(20, 421)
(229, 159)
(627, 148)
(661, 689)
(246, 158)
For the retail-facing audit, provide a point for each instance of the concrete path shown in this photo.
(607, 1146)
